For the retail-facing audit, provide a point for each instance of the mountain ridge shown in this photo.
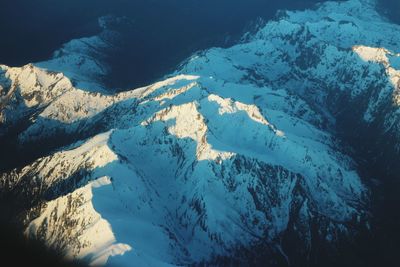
(240, 145)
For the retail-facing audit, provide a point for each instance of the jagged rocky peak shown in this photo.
(239, 147)
(26, 90)
(192, 148)
(189, 135)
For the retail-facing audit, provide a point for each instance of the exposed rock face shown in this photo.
(240, 147)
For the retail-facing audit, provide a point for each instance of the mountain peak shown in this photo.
(240, 148)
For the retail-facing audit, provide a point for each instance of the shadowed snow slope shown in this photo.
(239, 147)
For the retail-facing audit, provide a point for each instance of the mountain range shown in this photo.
(266, 152)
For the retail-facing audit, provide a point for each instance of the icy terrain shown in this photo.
(238, 147)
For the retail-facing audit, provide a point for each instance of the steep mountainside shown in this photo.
(239, 148)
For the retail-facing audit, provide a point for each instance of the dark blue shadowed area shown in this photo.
(391, 9)
(163, 32)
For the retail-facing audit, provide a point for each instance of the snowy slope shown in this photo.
(206, 174)
(236, 148)
(27, 90)
(84, 60)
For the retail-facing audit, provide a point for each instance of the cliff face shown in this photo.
(237, 152)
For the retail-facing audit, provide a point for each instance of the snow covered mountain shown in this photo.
(239, 148)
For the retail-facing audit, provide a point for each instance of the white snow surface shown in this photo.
(218, 155)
